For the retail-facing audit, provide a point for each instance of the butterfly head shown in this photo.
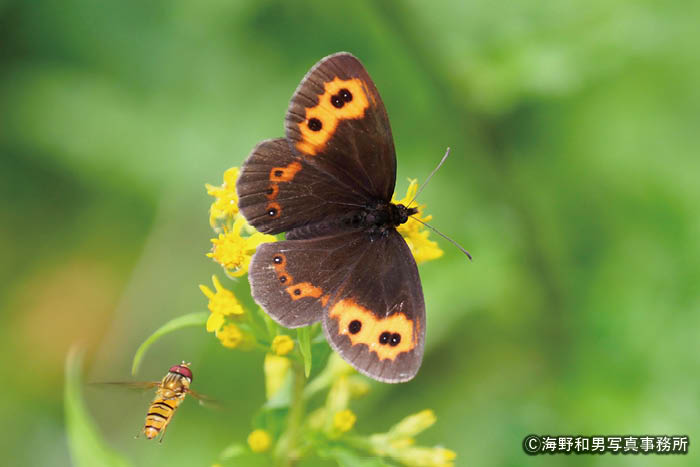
(402, 213)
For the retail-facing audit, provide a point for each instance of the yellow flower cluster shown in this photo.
(231, 249)
(234, 251)
(414, 232)
(222, 304)
(398, 443)
(282, 345)
(226, 204)
(259, 440)
(344, 420)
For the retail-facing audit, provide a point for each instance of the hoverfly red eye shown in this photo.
(182, 371)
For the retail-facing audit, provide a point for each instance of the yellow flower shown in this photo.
(344, 420)
(226, 203)
(398, 443)
(259, 440)
(222, 303)
(230, 335)
(276, 370)
(414, 232)
(358, 387)
(413, 424)
(282, 344)
(234, 251)
(420, 456)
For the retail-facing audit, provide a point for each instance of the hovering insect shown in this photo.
(170, 393)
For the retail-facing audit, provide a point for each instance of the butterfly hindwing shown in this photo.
(376, 320)
(336, 121)
(293, 280)
(279, 191)
(366, 291)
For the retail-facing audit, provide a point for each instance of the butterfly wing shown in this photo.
(337, 122)
(367, 292)
(376, 320)
(294, 279)
(338, 157)
(279, 190)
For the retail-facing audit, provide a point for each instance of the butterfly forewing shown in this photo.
(336, 120)
(279, 191)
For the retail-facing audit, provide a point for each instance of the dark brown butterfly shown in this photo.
(328, 185)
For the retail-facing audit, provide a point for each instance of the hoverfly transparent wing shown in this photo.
(205, 400)
(135, 385)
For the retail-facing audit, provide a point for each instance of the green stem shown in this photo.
(287, 451)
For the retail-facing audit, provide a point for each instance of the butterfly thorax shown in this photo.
(381, 217)
(377, 218)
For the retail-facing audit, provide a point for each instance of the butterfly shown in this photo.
(328, 185)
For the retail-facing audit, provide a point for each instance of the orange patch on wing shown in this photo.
(275, 190)
(313, 142)
(295, 291)
(324, 300)
(303, 290)
(346, 311)
(285, 174)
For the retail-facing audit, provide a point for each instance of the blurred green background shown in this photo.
(573, 181)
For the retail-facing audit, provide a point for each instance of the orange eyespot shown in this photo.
(387, 337)
(341, 100)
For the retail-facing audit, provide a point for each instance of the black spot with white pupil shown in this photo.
(384, 337)
(297, 291)
(388, 338)
(283, 279)
(315, 124)
(354, 326)
(278, 173)
(337, 101)
(277, 259)
(345, 95)
(272, 212)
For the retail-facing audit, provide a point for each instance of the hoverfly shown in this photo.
(170, 392)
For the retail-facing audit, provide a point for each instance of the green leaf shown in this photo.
(304, 337)
(86, 446)
(283, 397)
(193, 319)
(233, 450)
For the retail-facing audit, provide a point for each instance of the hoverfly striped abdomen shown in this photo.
(169, 395)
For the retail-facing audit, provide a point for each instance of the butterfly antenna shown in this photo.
(461, 248)
(442, 161)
